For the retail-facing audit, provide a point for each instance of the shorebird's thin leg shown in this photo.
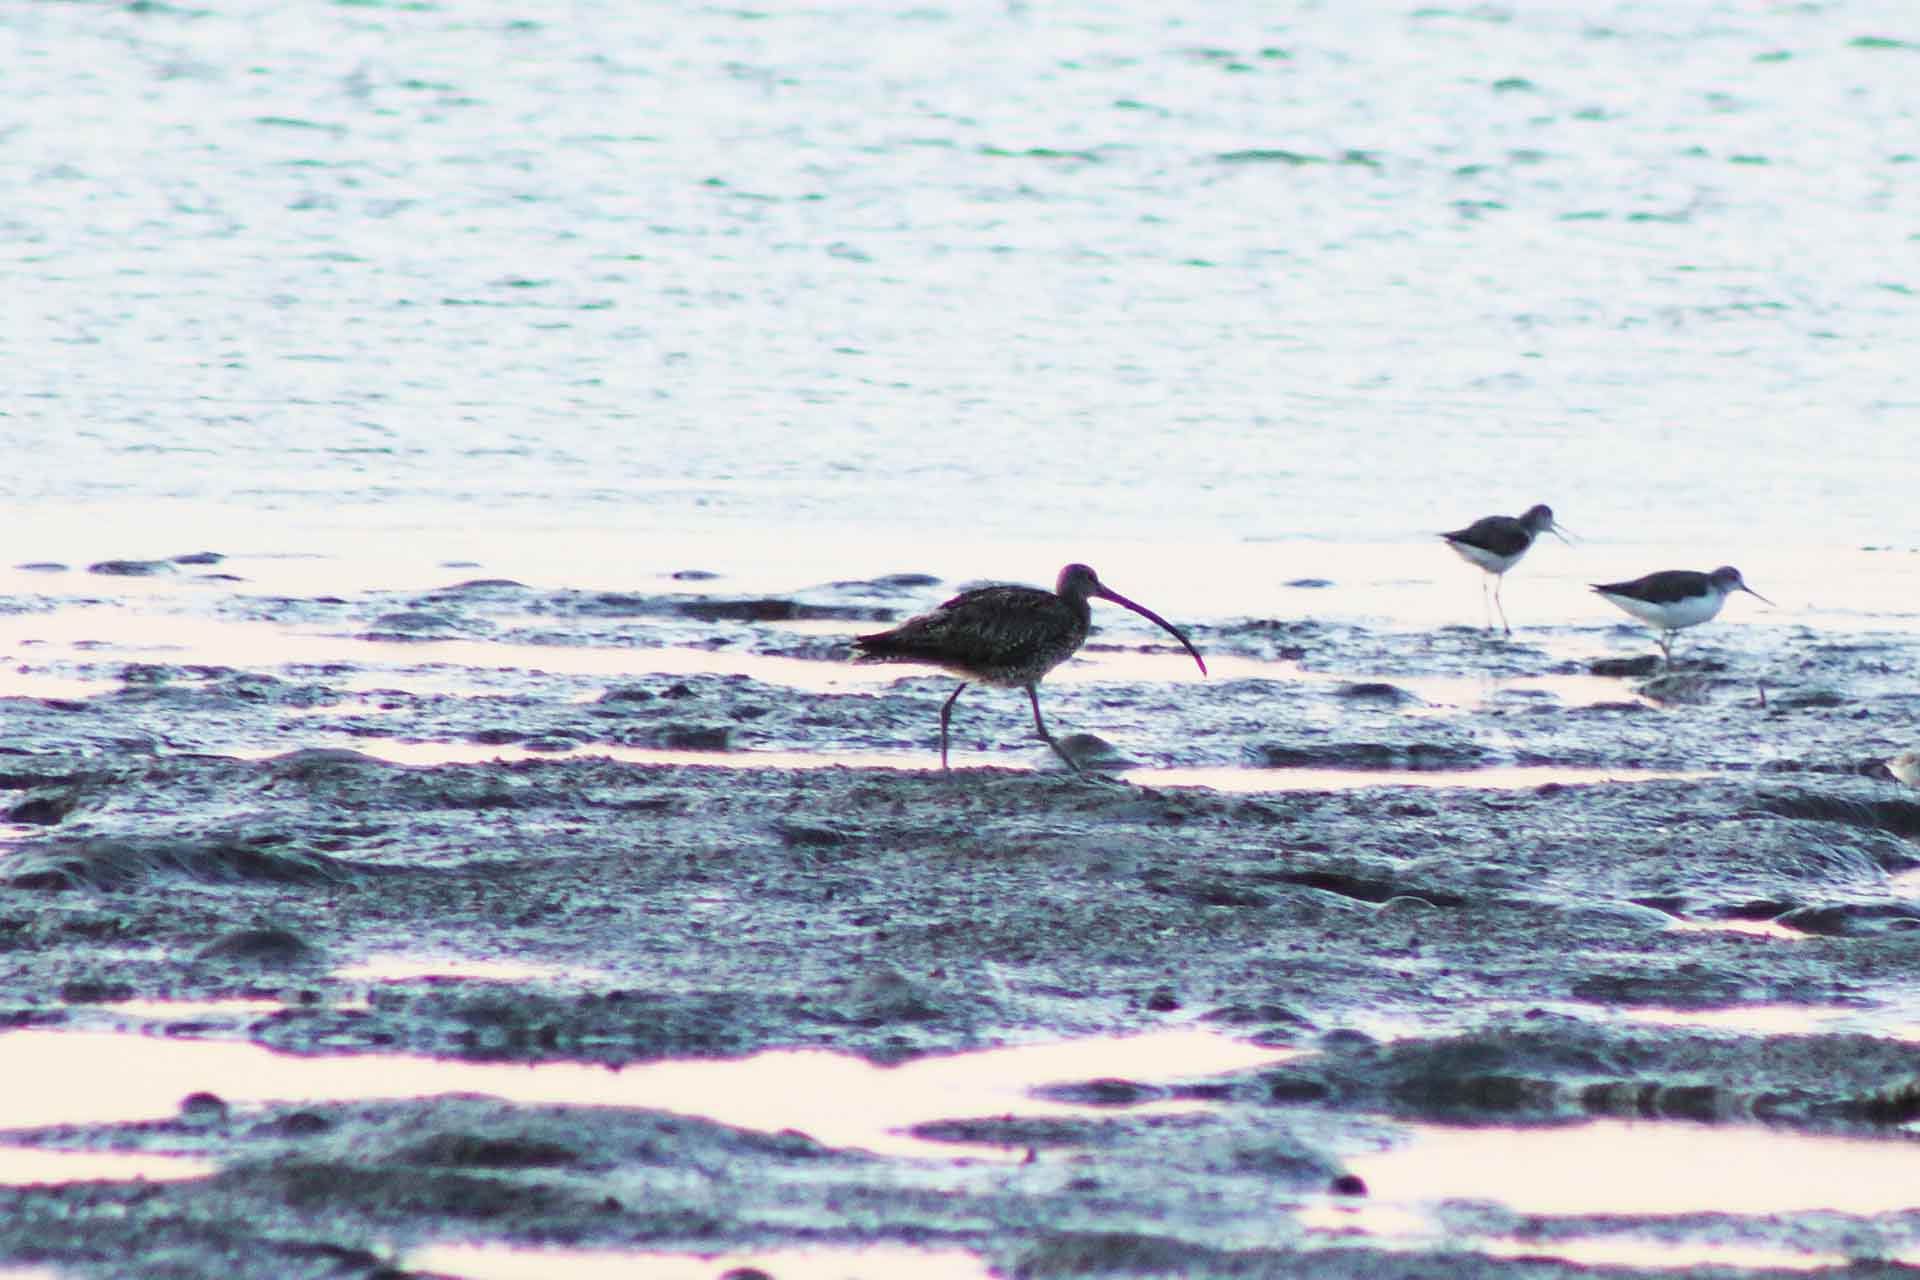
(1499, 581)
(946, 710)
(1486, 614)
(1033, 696)
(1666, 648)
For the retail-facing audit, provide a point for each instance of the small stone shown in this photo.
(202, 1107)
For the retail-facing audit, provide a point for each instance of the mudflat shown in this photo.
(490, 928)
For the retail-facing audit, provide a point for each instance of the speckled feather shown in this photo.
(1006, 636)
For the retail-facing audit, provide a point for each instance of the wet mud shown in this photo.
(276, 823)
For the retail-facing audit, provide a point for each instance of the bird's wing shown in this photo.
(1664, 587)
(1502, 535)
(990, 626)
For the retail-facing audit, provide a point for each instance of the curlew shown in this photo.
(1008, 637)
(1496, 543)
(1674, 599)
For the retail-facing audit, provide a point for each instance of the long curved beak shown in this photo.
(1565, 535)
(1158, 621)
(1756, 595)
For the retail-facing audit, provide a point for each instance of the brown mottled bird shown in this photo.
(1009, 637)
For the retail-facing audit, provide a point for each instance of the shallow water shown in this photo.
(501, 1262)
(579, 296)
(67, 1078)
(33, 1166)
(1789, 1019)
(1489, 779)
(1627, 1167)
(1663, 1255)
(407, 968)
(1395, 1225)
(1744, 928)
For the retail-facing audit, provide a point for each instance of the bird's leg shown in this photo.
(1666, 648)
(1486, 614)
(1499, 581)
(946, 711)
(1033, 696)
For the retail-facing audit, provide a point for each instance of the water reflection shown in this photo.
(408, 968)
(18, 683)
(1760, 1019)
(1402, 1226)
(36, 1166)
(841, 1101)
(1662, 1255)
(231, 1008)
(825, 1262)
(1634, 1167)
(429, 754)
(1749, 928)
(1237, 779)
(1502, 778)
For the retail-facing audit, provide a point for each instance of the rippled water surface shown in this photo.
(584, 292)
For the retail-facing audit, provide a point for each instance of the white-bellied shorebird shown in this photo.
(1008, 637)
(1674, 599)
(1496, 543)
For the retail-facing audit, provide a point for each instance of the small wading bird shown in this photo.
(1673, 599)
(1008, 637)
(1496, 543)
